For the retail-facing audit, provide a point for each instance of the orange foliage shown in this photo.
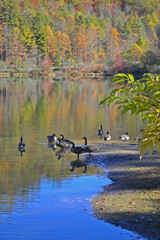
(52, 44)
(81, 45)
(115, 35)
(63, 43)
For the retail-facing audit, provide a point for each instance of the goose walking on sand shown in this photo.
(124, 137)
(139, 137)
(107, 136)
(89, 148)
(100, 131)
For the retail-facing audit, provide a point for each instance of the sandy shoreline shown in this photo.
(132, 201)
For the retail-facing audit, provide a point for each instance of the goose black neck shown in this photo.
(85, 140)
(62, 136)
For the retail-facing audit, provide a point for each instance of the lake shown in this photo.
(40, 198)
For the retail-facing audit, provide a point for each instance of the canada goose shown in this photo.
(89, 148)
(65, 139)
(100, 131)
(60, 143)
(52, 138)
(21, 145)
(77, 149)
(124, 136)
(139, 137)
(107, 136)
(78, 164)
(63, 144)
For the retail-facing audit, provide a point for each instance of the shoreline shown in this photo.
(132, 200)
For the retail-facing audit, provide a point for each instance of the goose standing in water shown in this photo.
(89, 148)
(52, 138)
(100, 131)
(21, 145)
(77, 149)
(124, 136)
(65, 139)
(63, 143)
(107, 136)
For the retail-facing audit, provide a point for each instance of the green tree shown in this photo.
(140, 97)
(10, 12)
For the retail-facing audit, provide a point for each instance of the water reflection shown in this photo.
(78, 164)
(61, 153)
(34, 109)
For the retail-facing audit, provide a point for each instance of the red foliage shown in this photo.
(111, 9)
(85, 5)
(21, 4)
(47, 63)
(118, 62)
(47, 86)
(76, 8)
(35, 3)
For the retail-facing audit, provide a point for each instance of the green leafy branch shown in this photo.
(140, 97)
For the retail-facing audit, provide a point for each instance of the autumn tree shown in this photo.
(52, 43)
(80, 47)
(63, 46)
(113, 46)
(1, 43)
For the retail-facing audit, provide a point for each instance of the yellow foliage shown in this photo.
(115, 35)
(63, 43)
(136, 52)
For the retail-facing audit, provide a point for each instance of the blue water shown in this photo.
(39, 197)
(61, 211)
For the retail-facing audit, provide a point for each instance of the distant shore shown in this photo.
(132, 201)
(58, 73)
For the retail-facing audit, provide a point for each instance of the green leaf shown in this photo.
(131, 77)
(156, 95)
(143, 149)
(150, 147)
(117, 81)
(102, 101)
(157, 144)
(149, 75)
(125, 109)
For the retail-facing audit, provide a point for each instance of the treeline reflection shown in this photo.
(34, 109)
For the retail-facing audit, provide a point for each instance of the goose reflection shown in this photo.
(52, 145)
(21, 151)
(77, 164)
(21, 146)
(61, 153)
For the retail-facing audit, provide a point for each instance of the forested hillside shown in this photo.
(113, 35)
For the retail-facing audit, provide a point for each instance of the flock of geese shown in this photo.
(64, 143)
(67, 145)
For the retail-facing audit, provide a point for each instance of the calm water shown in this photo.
(39, 197)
